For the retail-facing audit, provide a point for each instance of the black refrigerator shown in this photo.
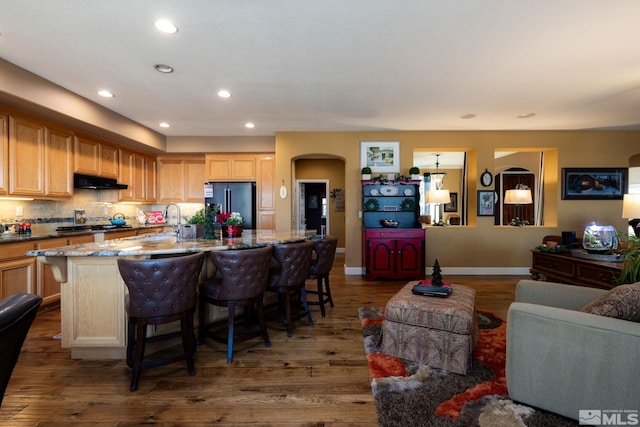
(233, 197)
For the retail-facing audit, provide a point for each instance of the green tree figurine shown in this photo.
(209, 227)
(436, 276)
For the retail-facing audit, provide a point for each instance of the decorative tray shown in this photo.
(389, 190)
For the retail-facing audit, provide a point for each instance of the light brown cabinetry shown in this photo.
(17, 271)
(58, 155)
(93, 157)
(138, 171)
(26, 157)
(251, 167)
(4, 154)
(231, 167)
(120, 234)
(41, 157)
(181, 179)
(266, 191)
(150, 179)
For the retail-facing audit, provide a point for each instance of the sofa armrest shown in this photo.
(556, 294)
(563, 360)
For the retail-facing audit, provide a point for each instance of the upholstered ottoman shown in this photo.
(439, 332)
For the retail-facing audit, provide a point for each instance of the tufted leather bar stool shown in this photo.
(17, 313)
(324, 250)
(289, 275)
(160, 291)
(243, 280)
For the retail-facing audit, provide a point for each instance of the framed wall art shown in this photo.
(453, 206)
(380, 156)
(594, 183)
(486, 203)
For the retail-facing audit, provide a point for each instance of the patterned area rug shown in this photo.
(410, 394)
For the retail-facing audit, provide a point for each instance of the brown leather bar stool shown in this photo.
(324, 250)
(289, 275)
(17, 313)
(160, 291)
(244, 274)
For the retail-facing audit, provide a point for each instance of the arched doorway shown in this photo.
(319, 176)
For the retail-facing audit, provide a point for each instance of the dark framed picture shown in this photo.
(453, 206)
(486, 203)
(313, 202)
(594, 183)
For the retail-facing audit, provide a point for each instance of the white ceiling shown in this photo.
(310, 65)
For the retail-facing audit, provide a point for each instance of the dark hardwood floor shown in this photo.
(319, 377)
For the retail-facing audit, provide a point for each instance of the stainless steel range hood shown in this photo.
(96, 183)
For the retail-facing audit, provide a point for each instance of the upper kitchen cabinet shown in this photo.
(58, 154)
(26, 157)
(150, 179)
(40, 159)
(181, 179)
(4, 154)
(93, 157)
(231, 167)
(134, 173)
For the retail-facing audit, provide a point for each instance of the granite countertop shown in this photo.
(166, 244)
(14, 237)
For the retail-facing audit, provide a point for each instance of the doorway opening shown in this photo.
(312, 205)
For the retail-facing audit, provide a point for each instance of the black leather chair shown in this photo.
(160, 291)
(324, 250)
(242, 282)
(288, 278)
(17, 313)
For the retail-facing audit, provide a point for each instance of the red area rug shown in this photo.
(408, 393)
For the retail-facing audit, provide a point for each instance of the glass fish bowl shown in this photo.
(599, 238)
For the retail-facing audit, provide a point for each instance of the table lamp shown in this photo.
(631, 211)
(521, 195)
(437, 195)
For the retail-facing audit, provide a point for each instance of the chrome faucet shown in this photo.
(176, 226)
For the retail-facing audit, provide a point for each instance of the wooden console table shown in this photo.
(575, 271)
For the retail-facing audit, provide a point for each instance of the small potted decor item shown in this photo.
(209, 231)
(366, 173)
(415, 173)
(231, 224)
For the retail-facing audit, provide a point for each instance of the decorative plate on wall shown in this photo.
(374, 192)
(408, 192)
(389, 190)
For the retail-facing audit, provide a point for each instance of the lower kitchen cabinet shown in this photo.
(17, 271)
(393, 253)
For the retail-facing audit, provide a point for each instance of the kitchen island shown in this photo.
(92, 294)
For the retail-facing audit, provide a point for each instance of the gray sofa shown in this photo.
(562, 360)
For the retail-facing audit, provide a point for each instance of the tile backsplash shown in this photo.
(46, 215)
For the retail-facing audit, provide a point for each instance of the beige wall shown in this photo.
(481, 246)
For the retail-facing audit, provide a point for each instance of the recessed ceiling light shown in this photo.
(526, 115)
(106, 93)
(467, 116)
(164, 125)
(165, 26)
(223, 93)
(249, 125)
(163, 68)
